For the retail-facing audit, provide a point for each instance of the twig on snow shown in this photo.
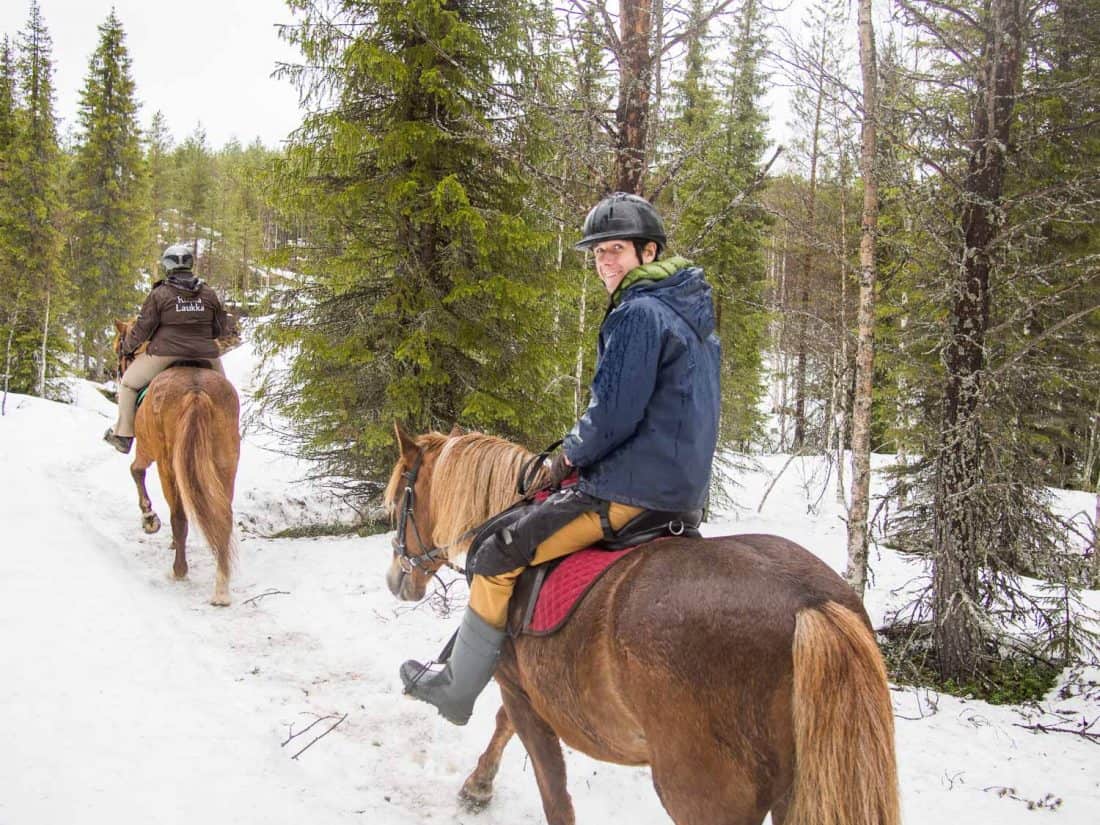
(316, 721)
(1082, 730)
(259, 596)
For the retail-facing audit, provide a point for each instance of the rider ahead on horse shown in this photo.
(181, 319)
(645, 443)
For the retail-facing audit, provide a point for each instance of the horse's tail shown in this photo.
(203, 490)
(845, 773)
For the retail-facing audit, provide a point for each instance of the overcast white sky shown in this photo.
(209, 62)
(198, 61)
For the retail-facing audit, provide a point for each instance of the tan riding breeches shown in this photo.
(144, 369)
(489, 595)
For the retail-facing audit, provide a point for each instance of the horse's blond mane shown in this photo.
(473, 477)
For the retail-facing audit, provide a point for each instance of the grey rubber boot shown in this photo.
(454, 689)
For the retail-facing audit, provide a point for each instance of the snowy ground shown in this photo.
(128, 699)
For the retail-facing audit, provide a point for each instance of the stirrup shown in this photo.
(412, 679)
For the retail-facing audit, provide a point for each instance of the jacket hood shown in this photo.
(687, 294)
(189, 282)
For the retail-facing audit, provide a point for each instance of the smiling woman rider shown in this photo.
(645, 442)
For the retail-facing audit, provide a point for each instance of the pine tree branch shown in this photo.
(735, 202)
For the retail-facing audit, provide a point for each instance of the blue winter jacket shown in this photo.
(650, 430)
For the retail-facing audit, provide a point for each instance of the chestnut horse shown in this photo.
(189, 425)
(741, 669)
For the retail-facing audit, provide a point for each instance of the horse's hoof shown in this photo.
(220, 601)
(474, 800)
(150, 524)
(178, 576)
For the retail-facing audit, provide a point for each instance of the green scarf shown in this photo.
(648, 274)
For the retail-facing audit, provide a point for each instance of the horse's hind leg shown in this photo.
(706, 786)
(477, 790)
(150, 523)
(544, 748)
(178, 518)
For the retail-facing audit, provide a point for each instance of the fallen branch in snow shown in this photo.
(306, 729)
(1082, 730)
(259, 596)
(316, 721)
(439, 600)
(1049, 801)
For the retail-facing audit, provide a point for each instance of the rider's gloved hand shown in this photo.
(558, 470)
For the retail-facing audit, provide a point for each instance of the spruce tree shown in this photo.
(424, 290)
(720, 140)
(193, 173)
(999, 289)
(8, 286)
(158, 164)
(40, 288)
(108, 198)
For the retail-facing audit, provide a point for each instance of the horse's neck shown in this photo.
(484, 493)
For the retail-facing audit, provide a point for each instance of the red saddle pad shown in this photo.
(567, 583)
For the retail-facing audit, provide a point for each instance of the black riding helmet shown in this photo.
(622, 215)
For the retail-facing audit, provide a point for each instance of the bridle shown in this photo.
(430, 560)
(438, 555)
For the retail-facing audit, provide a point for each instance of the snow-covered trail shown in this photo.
(122, 699)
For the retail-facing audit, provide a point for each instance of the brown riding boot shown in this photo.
(119, 442)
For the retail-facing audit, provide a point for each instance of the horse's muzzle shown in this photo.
(404, 585)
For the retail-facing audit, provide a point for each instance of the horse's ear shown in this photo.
(456, 430)
(405, 443)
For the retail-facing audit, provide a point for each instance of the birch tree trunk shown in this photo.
(7, 360)
(45, 337)
(840, 409)
(856, 572)
(802, 358)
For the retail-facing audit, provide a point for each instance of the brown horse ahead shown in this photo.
(741, 669)
(189, 425)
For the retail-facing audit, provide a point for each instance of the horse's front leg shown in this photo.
(150, 523)
(544, 748)
(477, 790)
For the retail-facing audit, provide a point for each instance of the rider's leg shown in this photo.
(489, 595)
(455, 688)
(144, 369)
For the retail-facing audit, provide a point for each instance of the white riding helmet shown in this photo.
(177, 257)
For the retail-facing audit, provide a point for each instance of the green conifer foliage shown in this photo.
(423, 289)
(8, 132)
(193, 176)
(158, 164)
(108, 199)
(720, 127)
(38, 287)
